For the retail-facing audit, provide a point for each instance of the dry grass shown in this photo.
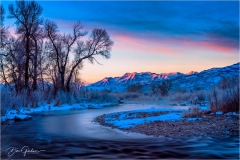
(102, 96)
(225, 100)
(192, 97)
(195, 112)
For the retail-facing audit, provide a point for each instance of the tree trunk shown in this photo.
(69, 78)
(35, 67)
(62, 80)
(26, 76)
(41, 71)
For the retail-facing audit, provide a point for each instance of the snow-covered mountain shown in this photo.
(189, 81)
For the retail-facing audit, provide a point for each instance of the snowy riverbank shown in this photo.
(169, 123)
(25, 113)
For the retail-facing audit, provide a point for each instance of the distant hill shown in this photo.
(190, 81)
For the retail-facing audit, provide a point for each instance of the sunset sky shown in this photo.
(153, 36)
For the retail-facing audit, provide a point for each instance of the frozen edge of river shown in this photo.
(24, 113)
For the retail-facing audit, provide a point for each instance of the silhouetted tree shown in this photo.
(37, 38)
(38, 53)
(99, 43)
(4, 32)
(60, 46)
(12, 64)
(3, 39)
(27, 15)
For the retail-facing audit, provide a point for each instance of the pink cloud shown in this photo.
(218, 47)
(126, 42)
(173, 47)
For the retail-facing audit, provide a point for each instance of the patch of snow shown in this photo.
(193, 119)
(21, 116)
(218, 112)
(203, 107)
(129, 119)
(22, 113)
(15, 116)
(232, 114)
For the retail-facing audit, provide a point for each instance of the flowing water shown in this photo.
(73, 134)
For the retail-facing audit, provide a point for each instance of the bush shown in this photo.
(230, 101)
(225, 99)
(11, 100)
(8, 100)
(64, 98)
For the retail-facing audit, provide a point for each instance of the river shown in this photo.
(73, 134)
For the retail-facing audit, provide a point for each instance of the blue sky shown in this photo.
(154, 36)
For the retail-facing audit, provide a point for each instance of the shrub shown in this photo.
(225, 99)
(64, 98)
(230, 101)
(11, 100)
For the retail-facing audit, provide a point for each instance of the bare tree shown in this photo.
(12, 63)
(3, 39)
(23, 58)
(99, 43)
(37, 37)
(3, 29)
(27, 15)
(61, 46)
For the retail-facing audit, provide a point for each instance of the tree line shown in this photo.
(158, 88)
(39, 53)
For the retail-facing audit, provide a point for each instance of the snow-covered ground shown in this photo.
(228, 114)
(25, 113)
(131, 118)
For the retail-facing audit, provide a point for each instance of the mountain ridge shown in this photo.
(188, 80)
